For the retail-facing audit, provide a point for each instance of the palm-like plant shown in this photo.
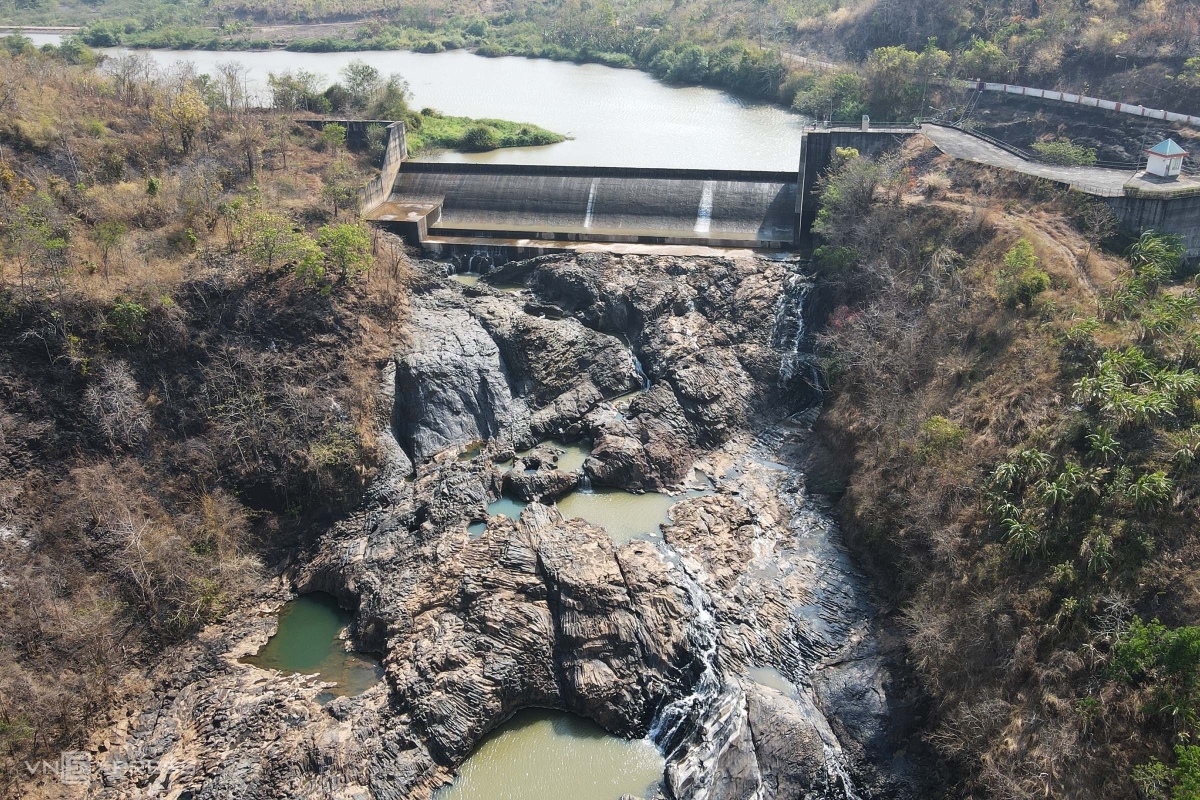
(1150, 491)
(1103, 444)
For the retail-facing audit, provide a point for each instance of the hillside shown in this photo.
(1125, 49)
(190, 327)
(1012, 433)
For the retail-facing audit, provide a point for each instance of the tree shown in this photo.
(333, 136)
(340, 184)
(271, 238)
(347, 247)
(361, 81)
(691, 66)
(391, 101)
(185, 114)
(1098, 223)
(231, 83)
(294, 90)
(108, 236)
(893, 80)
(983, 60)
(250, 137)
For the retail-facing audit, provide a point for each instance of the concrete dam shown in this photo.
(527, 209)
(508, 204)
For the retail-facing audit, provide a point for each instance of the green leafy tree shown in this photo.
(691, 65)
(983, 60)
(333, 136)
(271, 238)
(361, 81)
(340, 184)
(347, 247)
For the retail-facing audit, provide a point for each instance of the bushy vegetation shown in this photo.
(1023, 423)
(188, 328)
(440, 132)
(1065, 152)
(747, 49)
(364, 92)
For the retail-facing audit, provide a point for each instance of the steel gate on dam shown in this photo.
(516, 205)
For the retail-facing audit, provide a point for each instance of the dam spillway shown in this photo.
(495, 202)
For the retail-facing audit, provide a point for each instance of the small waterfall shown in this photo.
(641, 373)
(788, 333)
(481, 262)
(585, 482)
(694, 731)
(839, 778)
(704, 212)
(591, 205)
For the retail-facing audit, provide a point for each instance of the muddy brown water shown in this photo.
(542, 755)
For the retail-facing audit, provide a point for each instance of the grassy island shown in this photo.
(431, 130)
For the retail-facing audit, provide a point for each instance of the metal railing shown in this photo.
(1189, 169)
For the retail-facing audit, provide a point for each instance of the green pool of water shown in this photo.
(549, 755)
(572, 457)
(624, 515)
(466, 278)
(507, 507)
(308, 641)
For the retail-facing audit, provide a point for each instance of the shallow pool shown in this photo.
(550, 755)
(308, 640)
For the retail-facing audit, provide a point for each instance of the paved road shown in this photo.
(1093, 180)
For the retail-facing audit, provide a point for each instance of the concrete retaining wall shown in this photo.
(380, 187)
(816, 154)
(1179, 216)
(1084, 100)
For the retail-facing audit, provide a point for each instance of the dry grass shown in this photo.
(1023, 708)
(170, 412)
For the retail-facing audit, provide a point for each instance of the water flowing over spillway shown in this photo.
(494, 580)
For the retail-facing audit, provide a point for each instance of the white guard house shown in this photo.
(1165, 159)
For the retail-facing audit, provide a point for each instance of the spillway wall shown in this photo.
(746, 207)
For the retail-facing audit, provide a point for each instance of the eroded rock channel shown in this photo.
(667, 636)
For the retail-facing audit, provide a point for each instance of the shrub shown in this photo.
(491, 50)
(480, 138)
(939, 435)
(1167, 659)
(128, 320)
(1066, 153)
(1022, 281)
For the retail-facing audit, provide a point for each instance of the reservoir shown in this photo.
(617, 117)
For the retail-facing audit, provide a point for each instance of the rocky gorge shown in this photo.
(663, 636)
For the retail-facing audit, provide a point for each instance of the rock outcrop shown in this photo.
(665, 637)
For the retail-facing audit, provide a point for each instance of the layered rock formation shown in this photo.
(661, 637)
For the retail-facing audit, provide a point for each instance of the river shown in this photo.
(616, 117)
